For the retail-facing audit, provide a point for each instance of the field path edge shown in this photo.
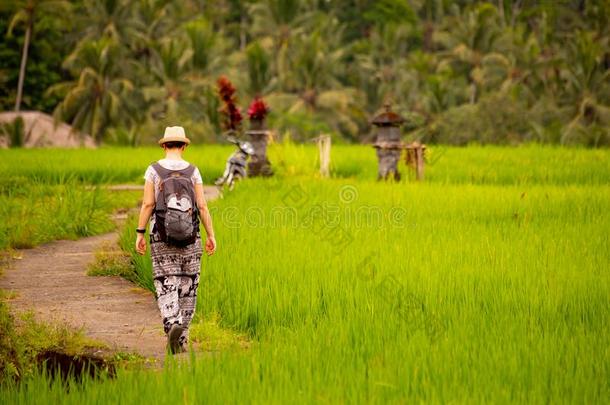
(51, 280)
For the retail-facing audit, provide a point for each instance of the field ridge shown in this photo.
(51, 281)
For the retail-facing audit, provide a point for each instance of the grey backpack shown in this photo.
(176, 215)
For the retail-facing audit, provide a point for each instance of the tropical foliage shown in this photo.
(501, 71)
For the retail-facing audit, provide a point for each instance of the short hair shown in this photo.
(174, 145)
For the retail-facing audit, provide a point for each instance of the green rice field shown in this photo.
(489, 282)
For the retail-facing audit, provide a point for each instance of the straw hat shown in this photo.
(174, 134)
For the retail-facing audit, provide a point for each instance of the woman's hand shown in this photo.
(141, 244)
(210, 245)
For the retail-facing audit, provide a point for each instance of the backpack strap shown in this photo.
(188, 172)
(165, 173)
(161, 171)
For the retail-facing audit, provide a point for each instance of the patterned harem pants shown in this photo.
(176, 277)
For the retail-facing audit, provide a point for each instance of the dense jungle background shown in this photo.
(502, 71)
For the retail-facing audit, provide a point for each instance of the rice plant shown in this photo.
(488, 282)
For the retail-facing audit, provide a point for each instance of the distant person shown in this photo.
(174, 202)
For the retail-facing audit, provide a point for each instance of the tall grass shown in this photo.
(528, 164)
(100, 166)
(479, 293)
(33, 212)
(531, 164)
(466, 288)
(142, 265)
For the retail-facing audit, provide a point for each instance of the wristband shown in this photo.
(141, 230)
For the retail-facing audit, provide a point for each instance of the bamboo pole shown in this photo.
(324, 145)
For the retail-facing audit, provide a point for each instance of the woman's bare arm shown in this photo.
(204, 212)
(206, 218)
(148, 204)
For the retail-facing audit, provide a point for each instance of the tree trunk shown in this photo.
(501, 12)
(24, 61)
(242, 32)
(428, 36)
(473, 93)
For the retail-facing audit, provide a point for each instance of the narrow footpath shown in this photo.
(51, 280)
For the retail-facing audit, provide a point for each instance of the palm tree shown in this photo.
(276, 18)
(180, 83)
(207, 46)
(27, 13)
(432, 12)
(278, 22)
(113, 19)
(152, 21)
(312, 84)
(383, 70)
(585, 84)
(99, 97)
(259, 69)
(468, 37)
(169, 83)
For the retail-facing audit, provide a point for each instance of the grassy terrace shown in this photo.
(488, 282)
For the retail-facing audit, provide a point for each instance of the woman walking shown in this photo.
(174, 202)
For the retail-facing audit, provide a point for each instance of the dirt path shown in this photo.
(51, 280)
